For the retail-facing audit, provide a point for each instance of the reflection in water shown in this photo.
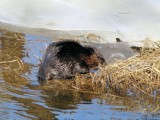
(11, 57)
(66, 99)
(22, 98)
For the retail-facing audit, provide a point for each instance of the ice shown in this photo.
(134, 20)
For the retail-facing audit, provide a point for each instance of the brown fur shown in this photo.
(93, 60)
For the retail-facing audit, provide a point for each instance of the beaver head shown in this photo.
(92, 57)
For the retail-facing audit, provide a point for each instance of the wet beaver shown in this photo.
(64, 59)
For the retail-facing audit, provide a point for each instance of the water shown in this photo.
(21, 97)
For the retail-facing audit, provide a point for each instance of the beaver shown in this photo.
(65, 59)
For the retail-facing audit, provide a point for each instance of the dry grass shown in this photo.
(139, 74)
(89, 38)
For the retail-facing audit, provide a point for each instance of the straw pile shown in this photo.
(137, 74)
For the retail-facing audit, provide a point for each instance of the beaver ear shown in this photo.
(90, 51)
